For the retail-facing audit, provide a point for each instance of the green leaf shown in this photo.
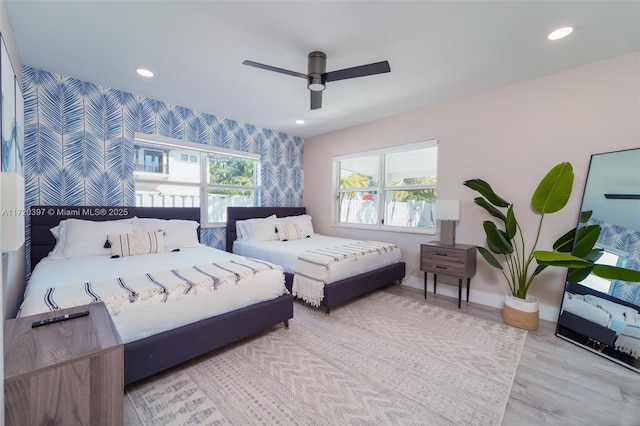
(577, 275)
(489, 258)
(496, 239)
(616, 273)
(486, 191)
(565, 243)
(554, 190)
(511, 224)
(586, 238)
(585, 216)
(553, 258)
(490, 208)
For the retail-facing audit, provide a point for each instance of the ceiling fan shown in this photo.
(317, 76)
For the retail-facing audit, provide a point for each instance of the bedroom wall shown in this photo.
(79, 145)
(509, 137)
(11, 259)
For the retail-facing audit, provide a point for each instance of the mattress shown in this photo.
(156, 314)
(285, 253)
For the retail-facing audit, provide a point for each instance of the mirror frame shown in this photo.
(601, 322)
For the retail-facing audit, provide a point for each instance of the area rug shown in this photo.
(379, 360)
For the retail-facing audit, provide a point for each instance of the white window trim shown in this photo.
(428, 143)
(206, 149)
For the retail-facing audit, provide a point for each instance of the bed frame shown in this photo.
(569, 322)
(334, 293)
(145, 357)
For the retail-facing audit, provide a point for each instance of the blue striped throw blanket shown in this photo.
(313, 266)
(171, 283)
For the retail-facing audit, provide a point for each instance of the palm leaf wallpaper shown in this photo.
(627, 241)
(79, 145)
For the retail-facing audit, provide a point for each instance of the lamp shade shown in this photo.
(13, 212)
(447, 209)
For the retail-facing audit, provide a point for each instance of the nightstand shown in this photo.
(457, 260)
(69, 372)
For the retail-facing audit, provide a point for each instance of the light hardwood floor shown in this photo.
(557, 382)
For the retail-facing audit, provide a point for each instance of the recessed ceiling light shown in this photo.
(560, 33)
(299, 121)
(143, 72)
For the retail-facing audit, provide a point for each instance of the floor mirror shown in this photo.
(601, 315)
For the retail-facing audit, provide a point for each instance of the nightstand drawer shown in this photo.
(434, 254)
(453, 269)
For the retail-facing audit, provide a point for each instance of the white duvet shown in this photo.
(285, 253)
(144, 318)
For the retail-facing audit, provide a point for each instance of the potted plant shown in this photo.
(573, 250)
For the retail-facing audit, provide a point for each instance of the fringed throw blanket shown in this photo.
(629, 341)
(313, 266)
(172, 283)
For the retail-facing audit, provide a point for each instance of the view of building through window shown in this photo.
(170, 176)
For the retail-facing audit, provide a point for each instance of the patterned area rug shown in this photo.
(380, 360)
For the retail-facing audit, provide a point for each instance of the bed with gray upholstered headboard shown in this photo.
(157, 352)
(336, 292)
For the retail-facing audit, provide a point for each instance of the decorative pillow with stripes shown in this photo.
(289, 231)
(123, 245)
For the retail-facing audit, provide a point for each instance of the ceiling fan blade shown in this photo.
(275, 69)
(316, 100)
(359, 71)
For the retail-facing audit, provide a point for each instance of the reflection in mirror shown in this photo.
(603, 315)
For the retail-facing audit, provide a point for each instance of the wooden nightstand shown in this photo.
(70, 372)
(458, 261)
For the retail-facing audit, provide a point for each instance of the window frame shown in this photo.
(381, 190)
(203, 151)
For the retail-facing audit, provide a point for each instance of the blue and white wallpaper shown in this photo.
(627, 241)
(79, 145)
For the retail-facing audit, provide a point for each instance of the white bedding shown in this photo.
(144, 318)
(285, 253)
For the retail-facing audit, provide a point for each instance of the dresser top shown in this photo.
(449, 246)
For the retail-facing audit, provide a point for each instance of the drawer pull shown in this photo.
(441, 267)
(442, 254)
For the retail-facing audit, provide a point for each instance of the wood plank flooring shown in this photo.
(557, 382)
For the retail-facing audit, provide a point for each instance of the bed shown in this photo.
(221, 315)
(601, 321)
(334, 292)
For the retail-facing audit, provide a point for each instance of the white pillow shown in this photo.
(303, 221)
(242, 230)
(58, 249)
(178, 233)
(123, 245)
(586, 310)
(289, 231)
(616, 310)
(262, 229)
(83, 238)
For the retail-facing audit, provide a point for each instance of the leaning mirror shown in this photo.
(602, 315)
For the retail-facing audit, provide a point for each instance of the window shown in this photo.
(389, 188)
(151, 160)
(194, 175)
(607, 257)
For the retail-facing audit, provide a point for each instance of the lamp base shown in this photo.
(448, 232)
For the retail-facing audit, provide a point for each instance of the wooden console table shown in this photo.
(69, 372)
(457, 260)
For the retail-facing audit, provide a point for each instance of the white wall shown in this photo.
(509, 137)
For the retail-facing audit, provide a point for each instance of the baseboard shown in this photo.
(547, 312)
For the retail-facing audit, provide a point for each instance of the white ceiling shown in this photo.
(438, 50)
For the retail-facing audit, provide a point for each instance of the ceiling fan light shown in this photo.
(315, 84)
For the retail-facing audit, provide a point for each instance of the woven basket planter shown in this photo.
(521, 313)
